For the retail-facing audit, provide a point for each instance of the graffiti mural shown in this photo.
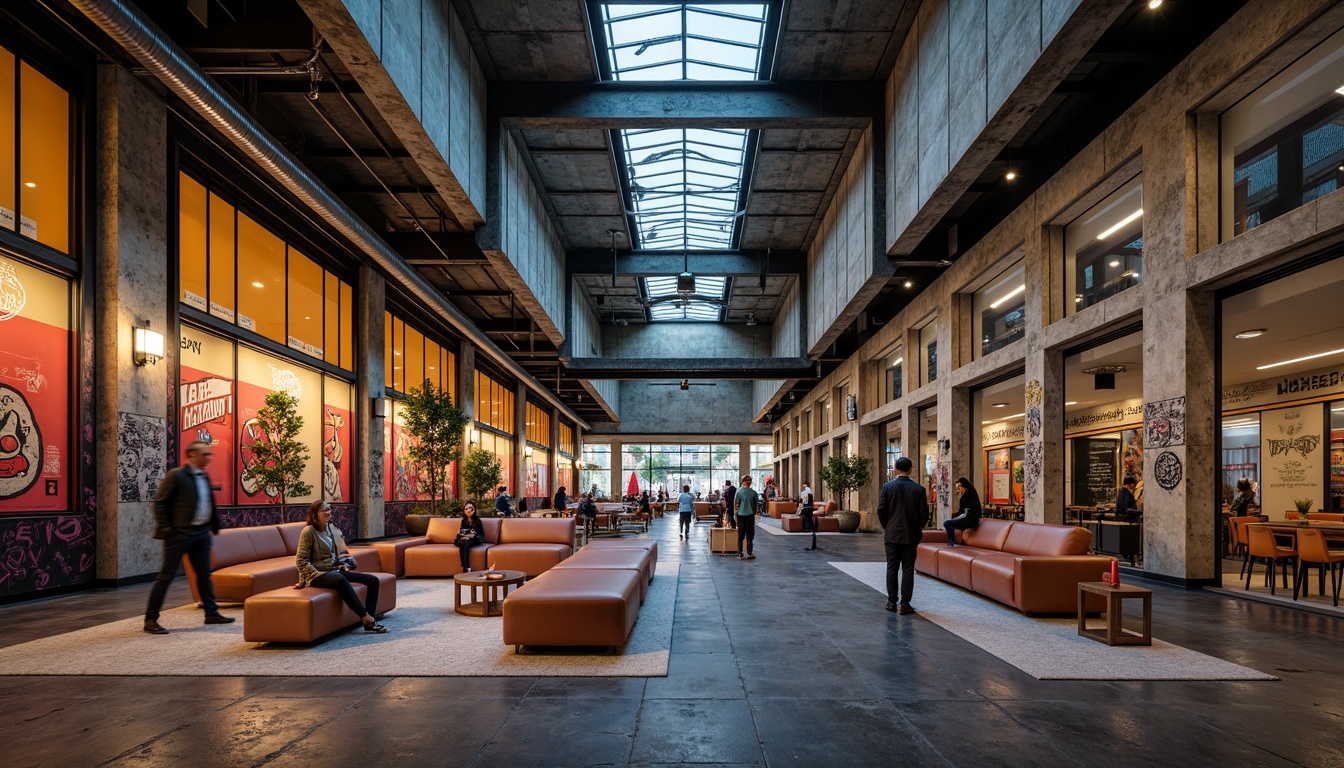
(343, 515)
(142, 456)
(1168, 470)
(1164, 423)
(44, 554)
(394, 517)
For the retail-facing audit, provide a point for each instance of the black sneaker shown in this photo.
(375, 629)
(218, 619)
(153, 628)
(905, 610)
(891, 607)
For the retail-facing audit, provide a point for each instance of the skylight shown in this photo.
(707, 303)
(684, 185)
(684, 41)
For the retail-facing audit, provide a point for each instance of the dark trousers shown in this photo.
(809, 522)
(746, 532)
(684, 525)
(901, 571)
(958, 524)
(464, 550)
(340, 581)
(195, 545)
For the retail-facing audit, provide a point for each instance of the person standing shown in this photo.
(184, 519)
(805, 511)
(729, 493)
(903, 510)
(686, 509)
(969, 516)
(502, 507)
(746, 502)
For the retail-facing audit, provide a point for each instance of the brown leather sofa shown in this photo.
(1035, 568)
(823, 514)
(780, 507)
(248, 561)
(528, 544)
(289, 615)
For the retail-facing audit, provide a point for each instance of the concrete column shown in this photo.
(617, 470)
(553, 468)
(466, 397)
(370, 388)
(954, 445)
(744, 466)
(132, 287)
(866, 504)
(1043, 475)
(519, 444)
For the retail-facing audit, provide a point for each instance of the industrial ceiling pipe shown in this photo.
(161, 57)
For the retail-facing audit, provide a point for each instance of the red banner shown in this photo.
(206, 406)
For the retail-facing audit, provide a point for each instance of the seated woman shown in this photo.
(469, 535)
(324, 562)
(969, 515)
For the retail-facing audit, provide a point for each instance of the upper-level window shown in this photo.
(34, 154)
(1104, 248)
(889, 385)
(411, 357)
(567, 446)
(538, 425)
(1283, 145)
(928, 353)
(666, 300)
(999, 311)
(494, 404)
(683, 185)
(684, 41)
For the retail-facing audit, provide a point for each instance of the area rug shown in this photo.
(1049, 649)
(771, 525)
(425, 638)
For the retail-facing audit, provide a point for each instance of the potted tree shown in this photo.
(842, 475)
(481, 473)
(279, 459)
(437, 427)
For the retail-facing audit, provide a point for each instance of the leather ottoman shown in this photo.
(619, 559)
(291, 615)
(573, 607)
(648, 544)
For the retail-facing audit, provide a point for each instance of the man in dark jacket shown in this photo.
(903, 510)
(185, 519)
(729, 515)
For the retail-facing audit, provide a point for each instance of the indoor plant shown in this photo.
(279, 460)
(1303, 507)
(481, 473)
(842, 475)
(436, 427)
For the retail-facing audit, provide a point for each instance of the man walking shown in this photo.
(685, 509)
(903, 510)
(805, 511)
(729, 493)
(185, 519)
(746, 501)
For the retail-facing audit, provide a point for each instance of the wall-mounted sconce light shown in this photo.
(475, 436)
(527, 451)
(379, 408)
(147, 346)
(578, 464)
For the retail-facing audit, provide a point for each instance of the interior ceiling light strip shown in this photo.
(684, 41)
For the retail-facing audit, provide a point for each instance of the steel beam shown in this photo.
(690, 368)
(436, 248)
(558, 106)
(596, 261)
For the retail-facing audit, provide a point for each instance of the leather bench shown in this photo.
(794, 523)
(648, 544)
(392, 553)
(291, 615)
(528, 544)
(615, 559)
(573, 607)
(248, 561)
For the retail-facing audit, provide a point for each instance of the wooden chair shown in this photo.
(1260, 545)
(1239, 538)
(1311, 550)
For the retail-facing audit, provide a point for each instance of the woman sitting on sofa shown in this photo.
(469, 535)
(969, 516)
(324, 562)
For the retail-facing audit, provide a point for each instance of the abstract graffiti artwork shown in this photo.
(1168, 470)
(1164, 423)
(1031, 475)
(20, 444)
(142, 456)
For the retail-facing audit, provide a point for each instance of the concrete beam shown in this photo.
(594, 261)
(558, 106)
(431, 248)
(691, 368)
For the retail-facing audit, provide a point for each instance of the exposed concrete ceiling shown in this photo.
(623, 302)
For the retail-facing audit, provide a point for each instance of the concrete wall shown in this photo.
(649, 407)
(131, 272)
(585, 340)
(967, 77)
(690, 340)
(1171, 135)
(414, 62)
(786, 340)
(527, 251)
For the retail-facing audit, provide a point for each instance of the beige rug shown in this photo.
(1049, 649)
(425, 638)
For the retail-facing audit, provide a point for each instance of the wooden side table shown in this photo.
(723, 541)
(493, 592)
(1115, 632)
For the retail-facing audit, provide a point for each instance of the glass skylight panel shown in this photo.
(684, 41)
(684, 185)
(673, 307)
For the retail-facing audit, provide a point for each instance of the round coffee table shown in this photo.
(493, 591)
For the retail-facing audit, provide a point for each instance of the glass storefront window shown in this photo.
(998, 432)
(494, 404)
(889, 384)
(567, 447)
(35, 141)
(762, 465)
(1241, 455)
(410, 357)
(306, 305)
(502, 447)
(1103, 421)
(261, 276)
(999, 311)
(595, 476)
(222, 259)
(890, 440)
(35, 457)
(193, 275)
(926, 465)
(928, 353)
(1283, 145)
(1104, 248)
(537, 471)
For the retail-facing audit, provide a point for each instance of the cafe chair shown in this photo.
(1311, 550)
(1239, 538)
(1260, 545)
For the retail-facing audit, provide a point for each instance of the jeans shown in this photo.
(809, 522)
(340, 581)
(901, 571)
(958, 524)
(746, 532)
(464, 550)
(195, 545)
(684, 525)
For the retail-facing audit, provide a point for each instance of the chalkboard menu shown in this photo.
(1094, 476)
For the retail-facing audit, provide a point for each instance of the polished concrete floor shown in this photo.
(778, 661)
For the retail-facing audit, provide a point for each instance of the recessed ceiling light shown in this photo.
(29, 184)
(897, 361)
(307, 317)
(997, 419)
(1014, 292)
(909, 284)
(1154, 4)
(1115, 262)
(1071, 402)
(256, 284)
(999, 405)
(1010, 175)
(1120, 224)
(1300, 359)
(1077, 299)
(1251, 334)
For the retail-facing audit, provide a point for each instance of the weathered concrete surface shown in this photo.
(649, 407)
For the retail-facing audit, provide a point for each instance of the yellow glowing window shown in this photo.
(387, 350)
(191, 219)
(223, 293)
(331, 313)
(398, 355)
(305, 304)
(347, 331)
(414, 357)
(44, 160)
(8, 116)
(261, 280)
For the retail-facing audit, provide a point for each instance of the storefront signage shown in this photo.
(247, 323)
(27, 227)
(194, 299)
(1294, 457)
(1285, 389)
(6, 218)
(205, 400)
(1003, 432)
(1103, 416)
(221, 311)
